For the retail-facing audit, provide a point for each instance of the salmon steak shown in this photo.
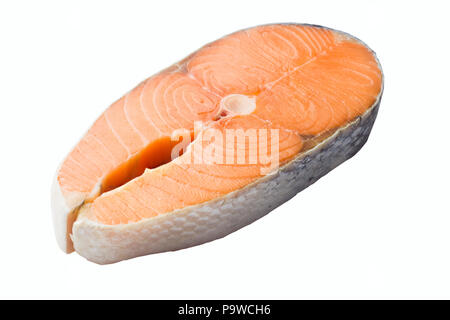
(216, 141)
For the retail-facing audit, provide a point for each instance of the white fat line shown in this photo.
(116, 134)
(127, 117)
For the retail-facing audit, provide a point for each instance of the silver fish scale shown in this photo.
(215, 219)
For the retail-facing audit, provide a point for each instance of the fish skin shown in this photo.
(216, 218)
(198, 224)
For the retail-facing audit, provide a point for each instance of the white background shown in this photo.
(378, 226)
